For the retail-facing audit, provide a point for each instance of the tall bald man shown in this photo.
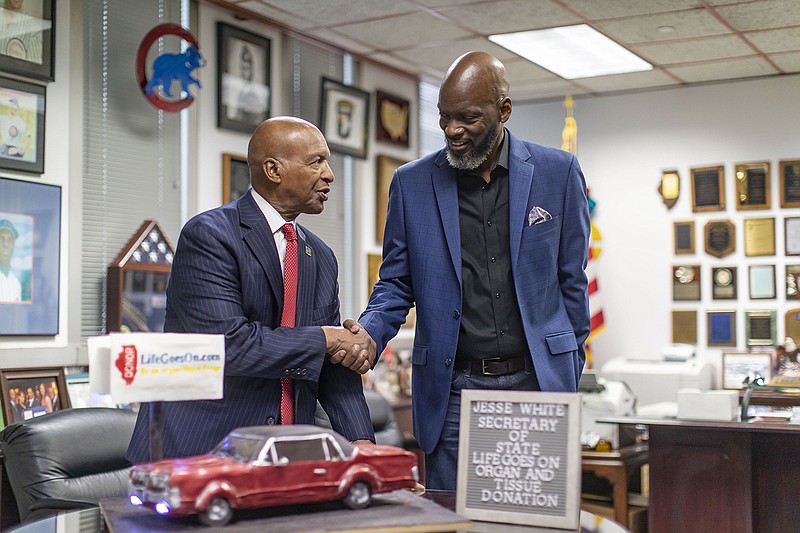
(489, 238)
(228, 277)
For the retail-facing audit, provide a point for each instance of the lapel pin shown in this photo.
(308, 251)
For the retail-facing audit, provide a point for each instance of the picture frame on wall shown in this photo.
(344, 117)
(762, 282)
(723, 283)
(684, 327)
(759, 236)
(791, 235)
(392, 116)
(736, 366)
(26, 38)
(752, 185)
(760, 327)
(708, 189)
(683, 237)
(235, 177)
(30, 216)
(37, 392)
(386, 167)
(686, 283)
(789, 183)
(22, 108)
(243, 78)
(721, 328)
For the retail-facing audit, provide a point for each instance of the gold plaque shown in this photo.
(670, 187)
(752, 185)
(759, 236)
(684, 327)
(720, 237)
(790, 183)
(708, 189)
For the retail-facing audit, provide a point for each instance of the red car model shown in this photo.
(263, 466)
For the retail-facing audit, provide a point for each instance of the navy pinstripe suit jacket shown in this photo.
(422, 265)
(226, 278)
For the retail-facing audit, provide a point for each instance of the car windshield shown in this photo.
(242, 449)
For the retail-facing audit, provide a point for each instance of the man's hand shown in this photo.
(350, 346)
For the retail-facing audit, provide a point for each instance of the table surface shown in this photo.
(735, 425)
(92, 520)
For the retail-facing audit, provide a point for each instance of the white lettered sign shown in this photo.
(152, 367)
(519, 458)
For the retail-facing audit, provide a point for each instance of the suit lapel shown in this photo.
(258, 236)
(520, 175)
(307, 278)
(445, 186)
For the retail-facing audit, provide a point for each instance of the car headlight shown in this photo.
(159, 481)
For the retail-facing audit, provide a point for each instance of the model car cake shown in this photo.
(263, 466)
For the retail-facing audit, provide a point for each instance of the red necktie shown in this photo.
(289, 314)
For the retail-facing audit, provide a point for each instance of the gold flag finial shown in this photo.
(569, 136)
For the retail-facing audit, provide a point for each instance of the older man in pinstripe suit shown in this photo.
(228, 278)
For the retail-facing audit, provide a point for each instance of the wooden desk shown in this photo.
(772, 397)
(721, 476)
(617, 467)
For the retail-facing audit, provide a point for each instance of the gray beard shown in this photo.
(474, 159)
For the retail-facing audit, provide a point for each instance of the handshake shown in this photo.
(350, 346)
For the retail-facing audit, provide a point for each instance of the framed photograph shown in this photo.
(708, 189)
(26, 38)
(30, 234)
(720, 237)
(21, 126)
(32, 392)
(790, 183)
(791, 235)
(792, 323)
(243, 78)
(344, 115)
(386, 167)
(762, 282)
(684, 327)
(683, 236)
(686, 282)
(736, 366)
(759, 236)
(721, 328)
(793, 282)
(760, 327)
(724, 283)
(235, 177)
(392, 113)
(752, 185)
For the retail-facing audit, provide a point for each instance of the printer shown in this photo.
(655, 381)
(601, 398)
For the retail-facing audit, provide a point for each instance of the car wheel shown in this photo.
(218, 512)
(358, 496)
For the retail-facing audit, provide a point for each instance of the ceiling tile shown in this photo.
(723, 70)
(633, 80)
(520, 69)
(329, 12)
(440, 57)
(393, 61)
(414, 29)
(508, 16)
(608, 9)
(278, 15)
(332, 36)
(717, 47)
(769, 41)
(762, 14)
(542, 90)
(445, 3)
(788, 62)
(686, 24)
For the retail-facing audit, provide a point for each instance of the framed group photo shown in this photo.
(344, 115)
(30, 231)
(26, 38)
(32, 392)
(22, 108)
(235, 177)
(243, 78)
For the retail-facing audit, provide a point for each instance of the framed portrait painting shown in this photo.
(26, 38)
(21, 126)
(30, 242)
(235, 177)
(243, 78)
(32, 392)
(344, 115)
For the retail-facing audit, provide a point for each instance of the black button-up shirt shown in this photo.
(491, 324)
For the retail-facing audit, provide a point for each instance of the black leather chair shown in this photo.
(383, 420)
(69, 459)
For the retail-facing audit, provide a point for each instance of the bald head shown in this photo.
(477, 73)
(288, 160)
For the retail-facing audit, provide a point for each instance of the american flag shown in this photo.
(569, 143)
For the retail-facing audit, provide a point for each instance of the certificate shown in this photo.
(708, 189)
(752, 185)
(759, 236)
(762, 282)
(790, 183)
(792, 235)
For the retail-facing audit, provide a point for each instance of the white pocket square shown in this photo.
(538, 215)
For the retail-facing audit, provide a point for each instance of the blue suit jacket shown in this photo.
(422, 265)
(226, 278)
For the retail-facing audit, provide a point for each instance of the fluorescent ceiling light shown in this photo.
(572, 51)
